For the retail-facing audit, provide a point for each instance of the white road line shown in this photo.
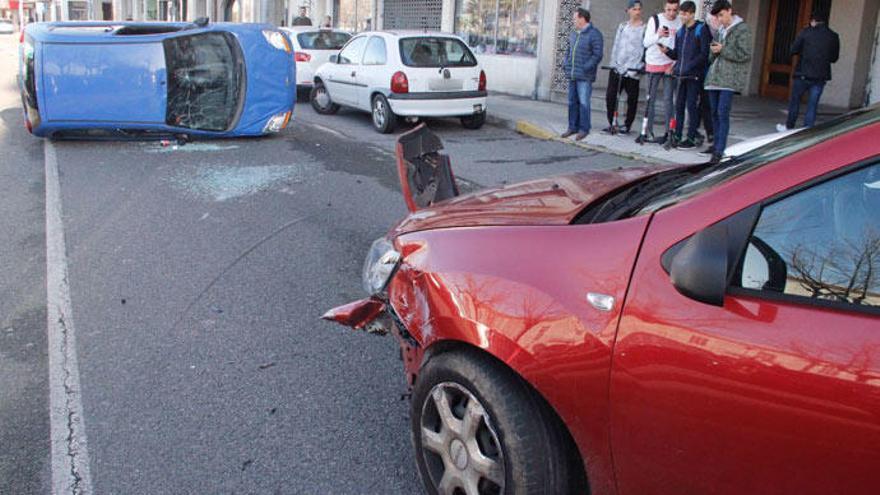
(70, 456)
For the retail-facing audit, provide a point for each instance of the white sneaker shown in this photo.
(781, 128)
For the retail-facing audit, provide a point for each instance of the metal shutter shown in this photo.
(413, 14)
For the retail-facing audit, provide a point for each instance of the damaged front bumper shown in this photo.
(377, 317)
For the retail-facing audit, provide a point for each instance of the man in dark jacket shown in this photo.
(691, 55)
(303, 18)
(818, 47)
(585, 47)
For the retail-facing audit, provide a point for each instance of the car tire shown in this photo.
(512, 444)
(384, 119)
(474, 121)
(320, 100)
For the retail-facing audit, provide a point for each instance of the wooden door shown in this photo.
(787, 19)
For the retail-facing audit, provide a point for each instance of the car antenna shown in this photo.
(201, 22)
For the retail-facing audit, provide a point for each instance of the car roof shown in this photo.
(309, 29)
(412, 33)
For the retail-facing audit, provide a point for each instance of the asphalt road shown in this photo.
(197, 277)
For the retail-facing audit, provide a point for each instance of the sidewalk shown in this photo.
(751, 117)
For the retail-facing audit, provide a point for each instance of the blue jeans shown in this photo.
(579, 93)
(794, 104)
(721, 101)
(669, 86)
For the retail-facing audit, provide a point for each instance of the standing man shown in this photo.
(660, 30)
(626, 55)
(691, 54)
(818, 47)
(583, 58)
(302, 19)
(730, 58)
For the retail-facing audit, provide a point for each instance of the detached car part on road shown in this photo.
(401, 74)
(124, 79)
(699, 329)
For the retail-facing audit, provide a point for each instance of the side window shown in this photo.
(822, 243)
(353, 51)
(375, 54)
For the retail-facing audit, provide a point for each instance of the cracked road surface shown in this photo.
(196, 277)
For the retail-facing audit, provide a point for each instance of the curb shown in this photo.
(527, 128)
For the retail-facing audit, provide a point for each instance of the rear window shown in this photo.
(205, 81)
(435, 52)
(322, 40)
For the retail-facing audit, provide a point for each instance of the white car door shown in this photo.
(373, 73)
(341, 82)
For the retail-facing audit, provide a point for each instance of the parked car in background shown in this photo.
(6, 26)
(112, 79)
(712, 328)
(403, 74)
(312, 48)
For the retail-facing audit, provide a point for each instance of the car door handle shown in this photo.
(353, 73)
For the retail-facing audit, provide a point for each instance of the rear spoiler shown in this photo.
(425, 174)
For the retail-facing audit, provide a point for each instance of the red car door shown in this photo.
(778, 389)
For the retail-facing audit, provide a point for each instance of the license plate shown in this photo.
(478, 108)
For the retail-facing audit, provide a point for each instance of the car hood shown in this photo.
(551, 201)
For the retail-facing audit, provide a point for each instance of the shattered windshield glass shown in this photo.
(205, 81)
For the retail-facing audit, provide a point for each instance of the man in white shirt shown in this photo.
(660, 30)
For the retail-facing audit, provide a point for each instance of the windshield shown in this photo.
(322, 40)
(789, 145)
(435, 52)
(673, 186)
(205, 81)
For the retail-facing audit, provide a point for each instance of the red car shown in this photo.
(691, 330)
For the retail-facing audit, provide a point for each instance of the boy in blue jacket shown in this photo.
(691, 55)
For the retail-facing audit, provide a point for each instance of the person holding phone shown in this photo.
(660, 31)
(730, 55)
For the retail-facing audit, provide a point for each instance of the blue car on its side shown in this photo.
(126, 79)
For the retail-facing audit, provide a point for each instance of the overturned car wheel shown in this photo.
(479, 430)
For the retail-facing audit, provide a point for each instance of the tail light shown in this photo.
(21, 38)
(302, 57)
(399, 83)
(482, 86)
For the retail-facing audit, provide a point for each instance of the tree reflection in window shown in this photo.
(204, 81)
(821, 243)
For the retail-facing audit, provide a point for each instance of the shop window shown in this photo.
(503, 27)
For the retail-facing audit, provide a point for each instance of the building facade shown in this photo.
(521, 43)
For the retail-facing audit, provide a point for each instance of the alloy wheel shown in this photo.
(322, 97)
(459, 443)
(379, 113)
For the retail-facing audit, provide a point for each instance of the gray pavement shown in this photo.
(24, 397)
(198, 275)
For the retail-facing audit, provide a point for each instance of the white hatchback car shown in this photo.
(400, 74)
(312, 48)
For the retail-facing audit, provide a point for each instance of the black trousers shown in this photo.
(706, 113)
(688, 92)
(617, 85)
